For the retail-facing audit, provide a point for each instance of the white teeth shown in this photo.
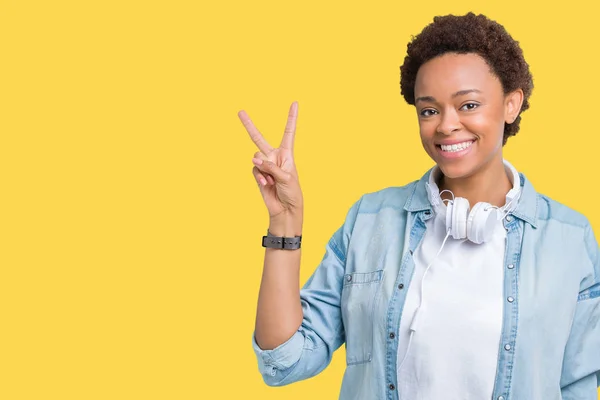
(456, 147)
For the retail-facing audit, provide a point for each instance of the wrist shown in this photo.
(286, 226)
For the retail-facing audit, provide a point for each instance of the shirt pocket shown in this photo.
(359, 296)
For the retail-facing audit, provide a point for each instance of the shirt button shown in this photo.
(510, 299)
(507, 347)
(392, 335)
(349, 278)
(509, 218)
(392, 387)
(401, 286)
(511, 266)
(500, 397)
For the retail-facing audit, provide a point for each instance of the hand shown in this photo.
(275, 171)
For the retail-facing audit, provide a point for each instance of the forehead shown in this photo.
(452, 72)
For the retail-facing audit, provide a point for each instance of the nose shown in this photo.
(449, 122)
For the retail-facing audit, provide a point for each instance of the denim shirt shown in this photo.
(550, 340)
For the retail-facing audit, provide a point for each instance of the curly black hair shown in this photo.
(470, 33)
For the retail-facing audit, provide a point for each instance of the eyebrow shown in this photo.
(431, 99)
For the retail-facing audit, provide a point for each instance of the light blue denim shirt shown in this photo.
(550, 343)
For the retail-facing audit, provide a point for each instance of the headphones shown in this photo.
(475, 224)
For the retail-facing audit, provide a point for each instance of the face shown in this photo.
(462, 109)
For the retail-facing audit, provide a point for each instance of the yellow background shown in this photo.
(130, 222)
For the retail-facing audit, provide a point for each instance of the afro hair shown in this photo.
(470, 33)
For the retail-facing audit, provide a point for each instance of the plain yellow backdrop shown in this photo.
(130, 223)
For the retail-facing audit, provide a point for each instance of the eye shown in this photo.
(469, 106)
(428, 112)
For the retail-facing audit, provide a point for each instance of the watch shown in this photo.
(281, 242)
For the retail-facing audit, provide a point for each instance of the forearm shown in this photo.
(279, 311)
(297, 331)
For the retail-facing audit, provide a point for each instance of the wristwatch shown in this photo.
(281, 242)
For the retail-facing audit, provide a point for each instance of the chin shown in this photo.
(456, 170)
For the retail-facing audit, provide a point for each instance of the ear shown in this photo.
(512, 105)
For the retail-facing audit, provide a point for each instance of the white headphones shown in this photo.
(475, 224)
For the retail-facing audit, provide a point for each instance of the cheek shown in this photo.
(427, 135)
(488, 124)
(426, 130)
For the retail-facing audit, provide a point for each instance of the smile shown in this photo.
(456, 147)
(455, 150)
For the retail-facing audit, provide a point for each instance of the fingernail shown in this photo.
(264, 183)
(257, 161)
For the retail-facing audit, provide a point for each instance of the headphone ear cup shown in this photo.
(460, 210)
(481, 222)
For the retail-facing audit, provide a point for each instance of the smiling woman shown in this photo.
(511, 308)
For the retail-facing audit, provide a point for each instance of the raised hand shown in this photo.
(275, 170)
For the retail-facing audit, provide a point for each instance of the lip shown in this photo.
(456, 154)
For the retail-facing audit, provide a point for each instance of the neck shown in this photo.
(490, 184)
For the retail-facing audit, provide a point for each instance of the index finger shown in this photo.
(255, 135)
(287, 142)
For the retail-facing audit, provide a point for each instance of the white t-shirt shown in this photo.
(454, 350)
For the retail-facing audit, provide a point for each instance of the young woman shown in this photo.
(464, 284)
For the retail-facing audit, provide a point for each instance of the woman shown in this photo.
(464, 284)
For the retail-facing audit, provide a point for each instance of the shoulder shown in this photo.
(394, 197)
(551, 210)
(373, 208)
(572, 230)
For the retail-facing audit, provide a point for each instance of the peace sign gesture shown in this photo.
(275, 171)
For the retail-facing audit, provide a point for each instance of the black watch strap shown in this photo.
(281, 242)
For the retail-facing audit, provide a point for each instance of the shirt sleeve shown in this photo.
(311, 347)
(581, 364)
